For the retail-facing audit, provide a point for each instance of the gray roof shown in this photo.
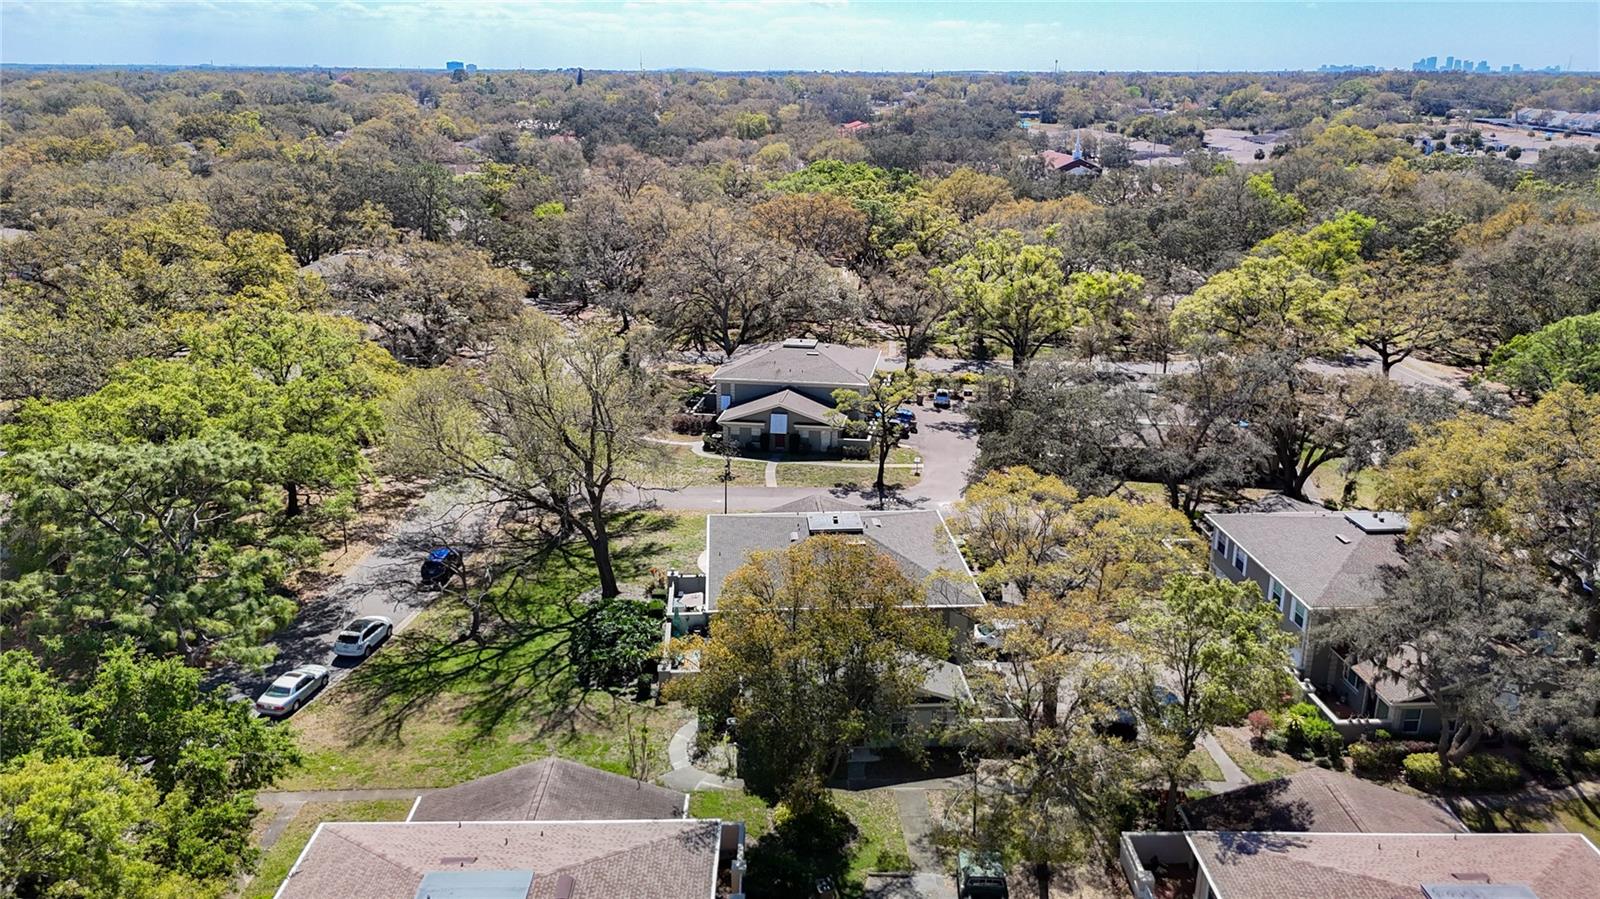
(605, 859)
(917, 539)
(946, 681)
(1323, 558)
(801, 362)
(1391, 684)
(801, 405)
(550, 790)
(817, 502)
(1316, 800)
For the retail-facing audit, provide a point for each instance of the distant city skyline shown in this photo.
(819, 35)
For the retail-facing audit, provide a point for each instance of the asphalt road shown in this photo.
(384, 582)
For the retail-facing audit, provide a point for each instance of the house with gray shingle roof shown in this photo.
(916, 541)
(779, 396)
(1313, 566)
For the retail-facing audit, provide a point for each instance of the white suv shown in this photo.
(361, 636)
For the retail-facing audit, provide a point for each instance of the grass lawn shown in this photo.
(1573, 815)
(441, 744)
(275, 862)
(733, 805)
(856, 477)
(679, 466)
(1330, 479)
(1256, 766)
(1205, 764)
(873, 812)
(427, 711)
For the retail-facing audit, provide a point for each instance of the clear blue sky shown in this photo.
(822, 34)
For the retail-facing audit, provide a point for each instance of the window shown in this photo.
(1410, 720)
(1240, 560)
(1351, 678)
(1383, 710)
(1298, 614)
(1275, 592)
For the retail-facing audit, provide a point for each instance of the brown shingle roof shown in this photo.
(1393, 866)
(606, 859)
(551, 789)
(1319, 801)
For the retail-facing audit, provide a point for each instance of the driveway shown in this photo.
(383, 582)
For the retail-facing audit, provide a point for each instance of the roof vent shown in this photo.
(1342, 539)
(835, 523)
(801, 343)
(794, 536)
(1377, 522)
(565, 886)
(1482, 889)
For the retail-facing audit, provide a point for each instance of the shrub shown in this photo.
(1331, 745)
(1422, 771)
(1260, 722)
(892, 860)
(1307, 732)
(1488, 774)
(1382, 758)
(1476, 774)
(1590, 758)
(685, 423)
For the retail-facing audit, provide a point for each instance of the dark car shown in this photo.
(441, 565)
(907, 417)
(980, 876)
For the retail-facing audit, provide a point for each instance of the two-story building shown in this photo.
(1313, 566)
(778, 397)
(915, 541)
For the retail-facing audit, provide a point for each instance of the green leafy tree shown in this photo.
(886, 392)
(1470, 628)
(1013, 293)
(79, 827)
(192, 759)
(1531, 481)
(614, 642)
(1081, 566)
(1398, 307)
(1217, 647)
(161, 542)
(818, 648)
(553, 429)
(309, 387)
(1565, 352)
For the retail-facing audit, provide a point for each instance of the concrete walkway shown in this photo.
(285, 804)
(772, 474)
(684, 775)
(1233, 777)
(928, 879)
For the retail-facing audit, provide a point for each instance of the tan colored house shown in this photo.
(779, 397)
